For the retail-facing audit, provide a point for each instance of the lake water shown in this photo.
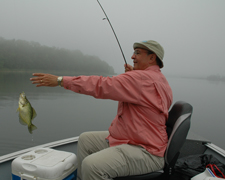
(64, 114)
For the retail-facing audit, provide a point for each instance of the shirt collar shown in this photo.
(154, 67)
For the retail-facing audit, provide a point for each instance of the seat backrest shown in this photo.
(178, 125)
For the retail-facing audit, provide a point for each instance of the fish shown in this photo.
(26, 112)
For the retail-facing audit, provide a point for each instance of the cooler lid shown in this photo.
(52, 158)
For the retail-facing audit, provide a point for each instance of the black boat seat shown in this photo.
(178, 125)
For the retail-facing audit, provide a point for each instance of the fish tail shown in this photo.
(31, 127)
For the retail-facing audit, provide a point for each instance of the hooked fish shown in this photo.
(26, 112)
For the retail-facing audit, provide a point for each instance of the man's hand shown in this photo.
(43, 79)
(128, 67)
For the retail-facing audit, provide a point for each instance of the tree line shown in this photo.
(216, 78)
(24, 55)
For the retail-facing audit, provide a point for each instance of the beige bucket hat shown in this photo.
(152, 46)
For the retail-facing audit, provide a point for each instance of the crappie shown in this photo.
(26, 112)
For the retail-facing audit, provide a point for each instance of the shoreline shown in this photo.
(55, 72)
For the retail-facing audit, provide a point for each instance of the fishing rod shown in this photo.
(106, 17)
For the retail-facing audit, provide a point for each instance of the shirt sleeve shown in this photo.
(125, 87)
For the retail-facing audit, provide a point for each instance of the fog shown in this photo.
(191, 31)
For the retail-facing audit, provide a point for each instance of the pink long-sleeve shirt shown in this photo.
(144, 99)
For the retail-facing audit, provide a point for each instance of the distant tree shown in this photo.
(24, 55)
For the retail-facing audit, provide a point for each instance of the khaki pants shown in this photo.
(96, 160)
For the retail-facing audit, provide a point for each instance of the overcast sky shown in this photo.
(192, 32)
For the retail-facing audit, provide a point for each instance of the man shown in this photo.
(136, 140)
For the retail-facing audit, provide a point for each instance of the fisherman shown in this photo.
(136, 141)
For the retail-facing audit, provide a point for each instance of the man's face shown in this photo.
(141, 59)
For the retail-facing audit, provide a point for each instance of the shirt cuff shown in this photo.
(67, 82)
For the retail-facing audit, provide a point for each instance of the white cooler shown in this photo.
(45, 164)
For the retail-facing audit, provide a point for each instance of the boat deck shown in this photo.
(190, 147)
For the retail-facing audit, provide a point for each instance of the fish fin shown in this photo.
(31, 128)
(34, 113)
(18, 109)
(21, 121)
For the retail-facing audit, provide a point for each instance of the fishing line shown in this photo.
(106, 17)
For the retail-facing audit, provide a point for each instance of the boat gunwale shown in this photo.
(58, 143)
(215, 148)
(14, 155)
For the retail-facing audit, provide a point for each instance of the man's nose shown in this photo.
(133, 56)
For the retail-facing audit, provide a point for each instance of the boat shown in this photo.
(193, 145)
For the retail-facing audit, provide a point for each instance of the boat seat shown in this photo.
(178, 125)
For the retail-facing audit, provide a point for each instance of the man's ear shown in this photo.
(153, 57)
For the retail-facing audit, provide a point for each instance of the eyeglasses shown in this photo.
(137, 52)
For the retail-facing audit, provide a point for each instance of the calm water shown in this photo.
(64, 114)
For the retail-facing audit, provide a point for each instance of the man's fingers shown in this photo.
(38, 74)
